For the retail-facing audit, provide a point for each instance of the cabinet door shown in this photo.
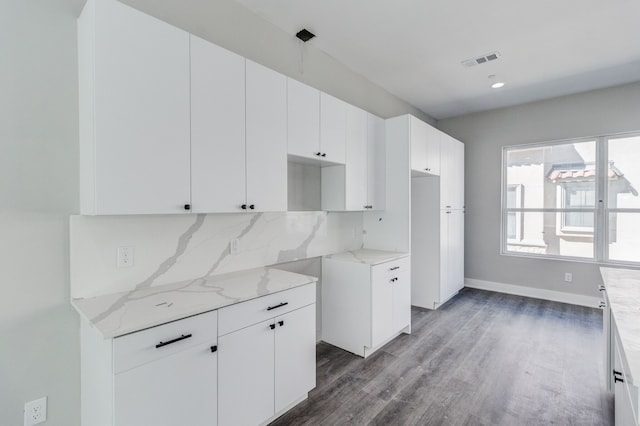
(266, 138)
(303, 119)
(445, 254)
(447, 173)
(217, 128)
(381, 305)
(418, 131)
(458, 167)
(246, 376)
(401, 301)
(376, 169)
(456, 250)
(356, 166)
(141, 98)
(434, 136)
(295, 356)
(180, 389)
(333, 128)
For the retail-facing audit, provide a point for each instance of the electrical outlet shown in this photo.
(125, 257)
(35, 412)
(234, 246)
(568, 277)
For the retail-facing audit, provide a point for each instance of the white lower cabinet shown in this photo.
(364, 306)
(178, 389)
(625, 392)
(246, 378)
(161, 376)
(266, 367)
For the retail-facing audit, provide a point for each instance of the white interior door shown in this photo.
(218, 178)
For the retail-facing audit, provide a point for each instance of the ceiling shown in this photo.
(414, 48)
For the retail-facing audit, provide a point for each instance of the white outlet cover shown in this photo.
(125, 257)
(35, 412)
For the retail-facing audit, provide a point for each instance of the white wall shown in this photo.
(38, 189)
(594, 113)
(39, 169)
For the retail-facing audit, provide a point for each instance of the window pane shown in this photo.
(542, 234)
(624, 237)
(624, 173)
(546, 170)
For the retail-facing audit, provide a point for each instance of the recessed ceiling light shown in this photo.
(495, 83)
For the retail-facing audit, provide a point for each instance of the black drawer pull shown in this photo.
(281, 323)
(394, 268)
(272, 326)
(277, 306)
(177, 339)
(214, 349)
(617, 373)
(617, 379)
(394, 279)
(601, 288)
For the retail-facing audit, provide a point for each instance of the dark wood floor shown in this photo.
(484, 358)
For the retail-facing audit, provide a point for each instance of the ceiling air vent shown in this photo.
(481, 59)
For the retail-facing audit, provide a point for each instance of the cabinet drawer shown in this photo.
(253, 311)
(392, 268)
(158, 342)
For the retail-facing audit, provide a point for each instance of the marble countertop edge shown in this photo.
(117, 314)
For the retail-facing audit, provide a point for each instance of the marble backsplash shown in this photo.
(172, 248)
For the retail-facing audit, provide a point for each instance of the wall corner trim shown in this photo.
(536, 293)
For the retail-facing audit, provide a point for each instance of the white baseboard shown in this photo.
(536, 293)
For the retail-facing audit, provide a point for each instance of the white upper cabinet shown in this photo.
(333, 128)
(266, 139)
(218, 172)
(360, 184)
(452, 174)
(425, 148)
(376, 164)
(134, 112)
(303, 124)
(356, 168)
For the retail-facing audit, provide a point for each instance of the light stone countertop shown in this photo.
(117, 314)
(367, 256)
(623, 294)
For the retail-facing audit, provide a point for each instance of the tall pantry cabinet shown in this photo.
(437, 229)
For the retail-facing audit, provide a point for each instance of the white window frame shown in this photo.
(601, 210)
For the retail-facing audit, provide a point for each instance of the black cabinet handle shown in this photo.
(617, 373)
(177, 339)
(243, 207)
(281, 323)
(602, 305)
(394, 268)
(187, 206)
(393, 279)
(318, 154)
(272, 326)
(277, 306)
(601, 288)
(617, 379)
(252, 206)
(324, 154)
(214, 348)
